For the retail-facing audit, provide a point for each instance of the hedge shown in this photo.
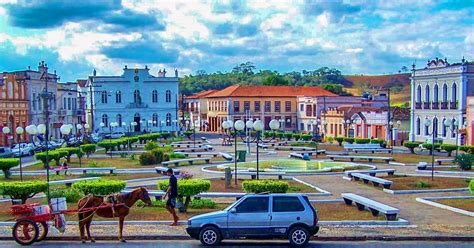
(71, 195)
(306, 137)
(429, 146)
(108, 145)
(166, 135)
(411, 145)
(362, 141)
(259, 186)
(158, 153)
(187, 188)
(377, 141)
(6, 164)
(56, 155)
(449, 148)
(340, 140)
(147, 158)
(151, 145)
(471, 186)
(176, 155)
(288, 136)
(188, 134)
(349, 140)
(468, 149)
(88, 149)
(99, 187)
(23, 190)
(70, 151)
(464, 161)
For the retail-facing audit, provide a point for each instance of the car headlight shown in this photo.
(189, 222)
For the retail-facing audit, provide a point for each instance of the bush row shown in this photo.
(22, 190)
(271, 186)
(6, 164)
(99, 187)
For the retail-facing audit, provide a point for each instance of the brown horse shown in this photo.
(123, 203)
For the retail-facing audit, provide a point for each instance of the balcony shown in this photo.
(453, 105)
(435, 105)
(426, 105)
(444, 105)
(417, 105)
(78, 112)
(136, 105)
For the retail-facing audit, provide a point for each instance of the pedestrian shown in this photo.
(172, 193)
(64, 167)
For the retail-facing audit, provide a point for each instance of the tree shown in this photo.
(246, 68)
(275, 80)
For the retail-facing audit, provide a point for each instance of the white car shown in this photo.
(115, 135)
(23, 149)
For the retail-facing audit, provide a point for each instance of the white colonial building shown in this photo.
(439, 93)
(135, 96)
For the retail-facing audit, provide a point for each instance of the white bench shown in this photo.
(295, 148)
(441, 160)
(369, 158)
(253, 174)
(390, 172)
(189, 161)
(226, 156)
(187, 145)
(375, 180)
(374, 206)
(199, 154)
(186, 142)
(163, 170)
(111, 170)
(361, 146)
(296, 155)
(201, 149)
(69, 182)
(372, 150)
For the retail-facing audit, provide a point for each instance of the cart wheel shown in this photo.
(25, 232)
(43, 231)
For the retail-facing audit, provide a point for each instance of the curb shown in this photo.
(431, 201)
(404, 192)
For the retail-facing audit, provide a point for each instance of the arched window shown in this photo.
(453, 128)
(105, 120)
(418, 94)
(435, 126)
(168, 96)
(104, 97)
(445, 93)
(168, 120)
(119, 120)
(118, 97)
(427, 93)
(435, 93)
(154, 96)
(155, 120)
(418, 126)
(444, 128)
(136, 97)
(454, 93)
(427, 130)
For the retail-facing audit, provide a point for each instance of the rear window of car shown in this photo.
(2, 149)
(287, 204)
(253, 205)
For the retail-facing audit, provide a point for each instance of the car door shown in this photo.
(250, 218)
(286, 210)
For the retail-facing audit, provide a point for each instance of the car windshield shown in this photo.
(233, 204)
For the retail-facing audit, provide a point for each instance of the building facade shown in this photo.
(69, 111)
(13, 107)
(438, 93)
(196, 106)
(469, 130)
(135, 96)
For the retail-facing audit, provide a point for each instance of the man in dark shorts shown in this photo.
(172, 193)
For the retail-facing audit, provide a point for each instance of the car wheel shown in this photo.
(298, 236)
(210, 236)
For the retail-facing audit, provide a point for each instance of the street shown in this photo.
(192, 243)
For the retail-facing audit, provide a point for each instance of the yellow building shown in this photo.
(244, 102)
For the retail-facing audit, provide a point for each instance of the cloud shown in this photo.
(223, 28)
(246, 30)
(336, 8)
(127, 20)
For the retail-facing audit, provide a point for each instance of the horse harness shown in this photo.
(117, 199)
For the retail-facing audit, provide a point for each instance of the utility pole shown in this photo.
(389, 127)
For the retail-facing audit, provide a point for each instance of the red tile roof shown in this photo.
(270, 91)
(201, 94)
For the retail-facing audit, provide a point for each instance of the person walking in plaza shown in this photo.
(172, 193)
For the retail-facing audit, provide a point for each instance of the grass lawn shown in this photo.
(420, 183)
(465, 204)
(218, 185)
(54, 177)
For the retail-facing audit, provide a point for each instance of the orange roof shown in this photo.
(270, 91)
(201, 94)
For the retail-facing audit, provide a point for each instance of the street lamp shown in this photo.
(19, 132)
(390, 123)
(6, 131)
(427, 124)
(237, 127)
(315, 124)
(258, 127)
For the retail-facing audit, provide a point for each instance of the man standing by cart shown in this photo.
(172, 193)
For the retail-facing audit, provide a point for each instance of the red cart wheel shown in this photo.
(25, 232)
(43, 231)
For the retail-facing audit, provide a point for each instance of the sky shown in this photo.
(357, 37)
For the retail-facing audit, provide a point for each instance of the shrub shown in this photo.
(69, 152)
(151, 145)
(6, 164)
(99, 187)
(411, 145)
(331, 140)
(187, 188)
(362, 141)
(166, 157)
(288, 135)
(430, 146)
(132, 157)
(23, 190)
(471, 186)
(175, 155)
(422, 184)
(165, 135)
(202, 203)
(147, 158)
(93, 163)
(280, 135)
(259, 186)
(349, 140)
(71, 195)
(88, 149)
(468, 149)
(108, 145)
(188, 134)
(464, 161)
(340, 140)
(449, 148)
(267, 134)
(56, 155)
(377, 141)
(158, 155)
(306, 137)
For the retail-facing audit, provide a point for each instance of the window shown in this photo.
(118, 97)
(287, 106)
(69, 104)
(288, 121)
(246, 106)
(168, 96)
(454, 93)
(74, 103)
(154, 120)
(168, 120)
(105, 120)
(301, 126)
(301, 107)
(418, 94)
(64, 103)
(418, 126)
(268, 106)
(287, 204)
(253, 205)
(314, 109)
(445, 93)
(236, 106)
(257, 106)
(427, 130)
(104, 97)
(427, 93)
(309, 110)
(453, 128)
(136, 97)
(435, 126)
(119, 120)
(34, 101)
(435, 93)
(154, 96)
(277, 106)
(444, 130)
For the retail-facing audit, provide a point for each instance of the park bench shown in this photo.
(190, 161)
(226, 156)
(111, 170)
(163, 170)
(296, 155)
(421, 166)
(390, 172)
(187, 145)
(186, 142)
(199, 149)
(369, 158)
(441, 160)
(69, 182)
(200, 154)
(349, 147)
(375, 207)
(295, 148)
(372, 150)
(253, 174)
(375, 180)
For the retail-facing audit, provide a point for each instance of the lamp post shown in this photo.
(390, 125)
(148, 125)
(427, 124)
(236, 128)
(258, 127)
(6, 131)
(162, 123)
(19, 132)
(41, 129)
(86, 129)
(315, 124)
